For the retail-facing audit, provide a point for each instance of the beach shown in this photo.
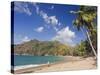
(74, 63)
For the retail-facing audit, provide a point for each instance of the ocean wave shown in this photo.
(26, 66)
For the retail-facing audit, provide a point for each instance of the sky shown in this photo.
(45, 22)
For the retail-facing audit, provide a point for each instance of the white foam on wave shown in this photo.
(26, 66)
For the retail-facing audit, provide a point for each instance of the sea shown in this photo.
(21, 60)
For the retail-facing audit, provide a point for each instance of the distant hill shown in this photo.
(41, 48)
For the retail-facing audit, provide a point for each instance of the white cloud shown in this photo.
(65, 36)
(25, 39)
(53, 20)
(45, 17)
(22, 7)
(50, 20)
(40, 29)
(18, 39)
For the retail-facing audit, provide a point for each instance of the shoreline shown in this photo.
(26, 66)
(69, 58)
(70, 63)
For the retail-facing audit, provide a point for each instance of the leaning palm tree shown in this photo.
(85, 20)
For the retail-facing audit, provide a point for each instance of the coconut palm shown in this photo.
(85, 20)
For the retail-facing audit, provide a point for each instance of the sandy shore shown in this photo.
(70, 63)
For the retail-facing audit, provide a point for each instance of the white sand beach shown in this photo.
(76, 63)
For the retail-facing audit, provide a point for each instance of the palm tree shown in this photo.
(85, 20)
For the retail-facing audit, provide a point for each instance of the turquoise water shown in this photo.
(26, 60)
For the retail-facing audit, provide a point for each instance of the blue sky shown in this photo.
(45, 22)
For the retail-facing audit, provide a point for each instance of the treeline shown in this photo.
(42, 48)
(83, 49)
(86, 22)
(53, 48)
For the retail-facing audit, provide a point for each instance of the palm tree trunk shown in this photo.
(91, 44)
